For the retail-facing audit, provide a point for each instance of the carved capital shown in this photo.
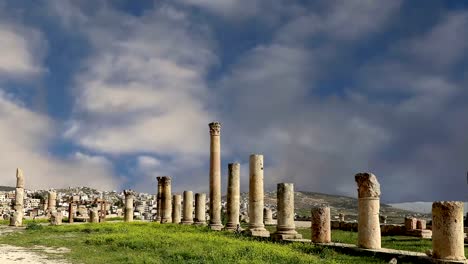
(368, 186)
(129, 192)
(215, 128)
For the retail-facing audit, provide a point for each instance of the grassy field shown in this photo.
(140, 242)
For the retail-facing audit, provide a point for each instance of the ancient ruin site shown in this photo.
(233, 131)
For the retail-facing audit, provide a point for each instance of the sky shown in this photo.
(111, 94)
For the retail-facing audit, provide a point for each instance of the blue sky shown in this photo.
(111, 94)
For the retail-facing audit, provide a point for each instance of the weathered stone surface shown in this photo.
(256, 196)
(94, 215)
(421, 224)
(71, 212)
(369, 235)
(166, 200)
(410, 223)
(285, 228)
(200, 210)
(16, 218)
(176, 207)
(233, 196)
(187, 215)
(128, 213)
(268, 216)
(321, 230)
(215, 176)
(447, 230)
(52, 201)
(19, 178)
(158, 199)
(56, 218)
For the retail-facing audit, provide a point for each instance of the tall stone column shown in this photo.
(447, 231)
(321, 229)
(368, 211)
(52, 206)
(166, 200)
(233, 196)
(256, 226)
(158, 199)
(128, 214)
(19, 200)
(215, 176)
(176, 207)
(71, 212)
(187, 218)
(285, 228)
(200, 210)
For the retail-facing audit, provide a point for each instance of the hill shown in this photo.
(6, 188)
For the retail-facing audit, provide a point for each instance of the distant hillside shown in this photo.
(304, 201)
(6, 188)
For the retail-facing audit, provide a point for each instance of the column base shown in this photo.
(232, 227)
(258, 232)
(166, 221)
(283, 236)
(216, 227)
(199, 223)
(186, 223)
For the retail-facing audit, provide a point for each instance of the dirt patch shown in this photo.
(14, 255)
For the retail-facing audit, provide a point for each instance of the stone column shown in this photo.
(176, 206)
(321, 229)
(187, 218)
(128, 214)
(56, 218)
(447, 231)
(256, 226)
(94, 215)
(341, 217)
(268, 216)
(368, 211)
(421, 224)
(158, 199)
(71, 212)
(285, 227)
(215, 176)
(200, 211)
(52, 201)
(19, 200)
(410, 223)
(233, 196)
(166, 200)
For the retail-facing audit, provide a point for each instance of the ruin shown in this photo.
(166, 200)
(215, 176)
(285, 228)
(187, 212)
(233, 196)
(128, 214)
(56, 218)
(52, 205)
(268, 216)
(256, 196)
(320, 228)
(158, 199)
(176, 207)
(200, 211)
(94, 215)
(447, 231)
(17, 217)
(368, 211)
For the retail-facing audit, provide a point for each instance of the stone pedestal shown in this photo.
(233, 196)
(187, 215)
(447, 231)
(256, 205)
(268, 216)
(200, 210)
(410, 223)
(52, 201)
(128, 214)
(321, 229)
(215, 176)
(368, 211)
(166, 200)
(176, 206)
(421, 224)
(56, 218)
(94, 215)
(158, 199)
(285, 228)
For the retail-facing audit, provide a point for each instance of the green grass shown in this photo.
(141, 242)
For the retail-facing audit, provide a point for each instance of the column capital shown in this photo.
(215, 128)
(368, 186)
(129, 192)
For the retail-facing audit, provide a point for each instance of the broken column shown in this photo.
(176, 206)
(410, 223)
(17, 217)
(285, 227)
(421, 224)
(94, 215)
(233, 196)
(368, 211)
(215, 176)
(71, 212)
(341, 217)
(256, 226)
(321, 229)
(166, 200)
(268, 216)
(56, 218)
(187, 215)
(128, 214)
(52, 201)
(200, 211)
(158, 199)
(447, 231)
